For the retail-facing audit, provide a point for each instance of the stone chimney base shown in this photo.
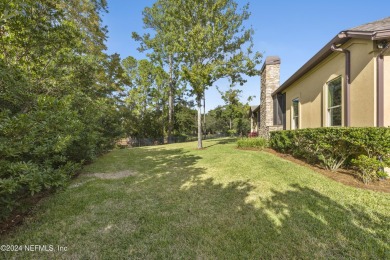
(264, 132)
(270, 77)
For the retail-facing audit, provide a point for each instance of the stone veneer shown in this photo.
(270, 81)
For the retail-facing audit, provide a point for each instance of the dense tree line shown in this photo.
(231, 118)
(58, 106)
(64, 101)
(149, 113)
(198, 43)
(146, 99)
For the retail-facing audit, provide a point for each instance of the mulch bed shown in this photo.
(347, 177)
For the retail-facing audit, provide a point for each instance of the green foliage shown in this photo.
(222, 120)
(164, 55)
(206, 39)
(282, 141)
(258, 143)
(36, 147)
(185, 118)
(57, 108)
(145, 99)
(231, 132)
(234, 113)
(147, 109)
(370, 168)
(333, 147)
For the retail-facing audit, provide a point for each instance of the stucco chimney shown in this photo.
(270, 81)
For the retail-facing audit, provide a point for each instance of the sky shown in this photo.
(293, 30)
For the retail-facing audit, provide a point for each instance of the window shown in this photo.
(295, 113)
(279, 109)
(334, 102)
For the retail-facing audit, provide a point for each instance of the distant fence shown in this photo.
(137, 142)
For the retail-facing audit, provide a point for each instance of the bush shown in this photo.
(334, 147)
(258, 143)
(58, 104)
(370, 168)
(44, 147)
(282, 141)
(232, 132)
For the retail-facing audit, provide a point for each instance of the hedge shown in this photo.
(44, 147)
(257, 143)
(367, 149)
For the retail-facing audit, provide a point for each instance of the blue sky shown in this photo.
(293, 30)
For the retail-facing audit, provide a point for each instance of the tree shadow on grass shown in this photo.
(204, 219)
(310, 222)
(174, 209)
(223, 141)
(159, 161)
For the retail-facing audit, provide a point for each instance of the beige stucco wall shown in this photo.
(311, 89)
(387, 89)
(363, 85)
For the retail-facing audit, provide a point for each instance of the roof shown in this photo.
(377, 30)
(253, 109)
(270, 60)
(378, 25)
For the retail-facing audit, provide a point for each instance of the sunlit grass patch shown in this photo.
(219, 202)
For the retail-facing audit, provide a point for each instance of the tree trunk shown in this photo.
(170, 101)
(199, 103)
(204, 112)
(170, 113)
(163, 120)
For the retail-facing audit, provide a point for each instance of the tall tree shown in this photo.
(211, 42)
(146, 97)
(163, 52)
(141, 81)
(57, 106)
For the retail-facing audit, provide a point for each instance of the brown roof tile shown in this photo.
(379, 25)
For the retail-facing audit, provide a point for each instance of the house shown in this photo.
(347, 83)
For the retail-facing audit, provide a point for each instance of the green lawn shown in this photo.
(221, 202)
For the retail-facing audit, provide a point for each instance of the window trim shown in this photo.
(328, 108)
(293, 117)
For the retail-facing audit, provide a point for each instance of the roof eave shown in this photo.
(253, 109)
(314, 61)
(340, 38)
(372, 35)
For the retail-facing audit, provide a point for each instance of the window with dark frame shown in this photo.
(295, 113)
(334, 102)
(279, 111)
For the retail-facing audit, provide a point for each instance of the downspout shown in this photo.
(347, 84)
(380, 87)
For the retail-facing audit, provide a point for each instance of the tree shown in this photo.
(232, 101)
(141, 78)
(164, 54)
(185, 122)
(216, 120)
(222, 120)
(146, 98)
(57, 93)
(209, 38)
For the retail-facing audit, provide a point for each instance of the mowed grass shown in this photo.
(220, 202)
